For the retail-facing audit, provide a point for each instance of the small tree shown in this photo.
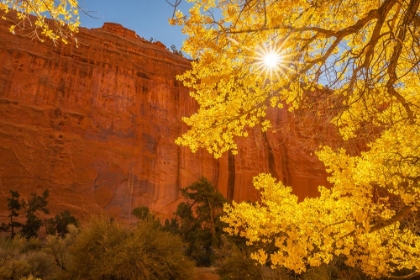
(199, 220)
(59, 224)
(175, 50)
(63, 220)
(31, 207)
(13, 206)
(141, 212)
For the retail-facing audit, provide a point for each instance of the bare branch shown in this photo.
(174, 5)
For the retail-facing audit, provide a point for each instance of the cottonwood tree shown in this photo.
(65, 15)
(361, 58)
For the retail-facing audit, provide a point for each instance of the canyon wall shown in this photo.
(96, 124)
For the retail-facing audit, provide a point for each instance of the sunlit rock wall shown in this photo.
(96, 124)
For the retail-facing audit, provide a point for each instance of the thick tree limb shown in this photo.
(409, 276)
(397, 217)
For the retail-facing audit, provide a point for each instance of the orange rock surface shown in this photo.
(96, 124)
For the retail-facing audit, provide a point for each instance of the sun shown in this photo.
(271, 60)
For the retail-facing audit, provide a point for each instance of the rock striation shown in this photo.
(96, 124)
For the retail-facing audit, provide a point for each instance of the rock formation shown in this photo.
(96, 124)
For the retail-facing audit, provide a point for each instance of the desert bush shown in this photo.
(108, 250)
(30, 277)
(335, 270)
(238, 265)
(21, 258)
(58, 248)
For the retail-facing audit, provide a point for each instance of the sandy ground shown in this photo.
(205, 273)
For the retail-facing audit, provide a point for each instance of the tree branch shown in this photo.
(397, 217)
(409, 276)
(408, 18)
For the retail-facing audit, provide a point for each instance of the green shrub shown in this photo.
(238, 265)
(58, 249)
(59, 224)
(142, 212)
(22, 258)
(30, 277)
(335, 270)
(107, 250)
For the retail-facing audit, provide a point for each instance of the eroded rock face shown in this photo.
(96, 125)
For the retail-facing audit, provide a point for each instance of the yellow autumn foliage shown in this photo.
(65, 14)
(364, 56)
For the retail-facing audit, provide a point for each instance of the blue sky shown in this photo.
(148, 18)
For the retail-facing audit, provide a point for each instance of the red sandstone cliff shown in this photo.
(96, 126)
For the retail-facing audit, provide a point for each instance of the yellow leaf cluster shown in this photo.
(65, 13)
(365, 57)
(338, 223)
